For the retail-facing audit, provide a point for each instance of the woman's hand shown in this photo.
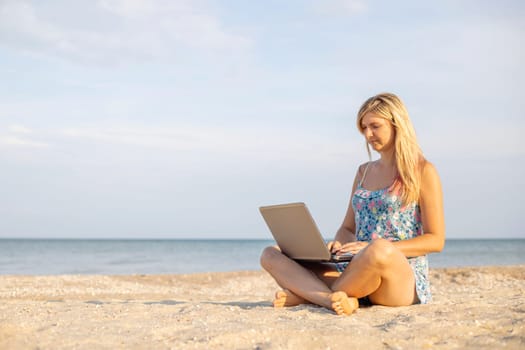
(351, 247)
(334, 246)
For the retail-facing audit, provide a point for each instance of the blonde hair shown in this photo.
(408, 155)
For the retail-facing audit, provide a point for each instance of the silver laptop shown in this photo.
(296, 233)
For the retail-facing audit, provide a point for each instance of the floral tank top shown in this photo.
(380, 214)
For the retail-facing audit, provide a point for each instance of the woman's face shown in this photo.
(378, 132)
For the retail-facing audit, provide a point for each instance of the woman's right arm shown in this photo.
(346, 233)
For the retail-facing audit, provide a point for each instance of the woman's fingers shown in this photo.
(352, 247)
(334, 246)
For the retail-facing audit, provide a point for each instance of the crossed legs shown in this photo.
(301, 285)
(380, 271)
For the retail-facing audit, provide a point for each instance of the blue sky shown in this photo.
(178, 119)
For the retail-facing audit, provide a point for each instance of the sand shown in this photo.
(473, 308)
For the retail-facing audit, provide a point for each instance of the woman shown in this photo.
(394, 219)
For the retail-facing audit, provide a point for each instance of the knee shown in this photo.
(380, 252)
(269, 256)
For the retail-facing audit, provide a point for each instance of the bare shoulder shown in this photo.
(359, 175)
(362, 168)
(429, 169)
(430, 176)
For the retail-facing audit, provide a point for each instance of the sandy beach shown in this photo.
(473, 308)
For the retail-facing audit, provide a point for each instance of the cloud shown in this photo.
(263, 143)
(472, 139)
(340, 7)
(19, 136)
(20, 129)
(174, 139)
(115, 31)
(20, 142)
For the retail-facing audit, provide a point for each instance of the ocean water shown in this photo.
(56, 256)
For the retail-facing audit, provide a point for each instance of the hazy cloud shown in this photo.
(227, 104)
(20, 129)
(115, 31)
(264, 143)
(340, 7)
(16, 136)
(455, 140)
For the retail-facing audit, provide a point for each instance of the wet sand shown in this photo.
(473, 308)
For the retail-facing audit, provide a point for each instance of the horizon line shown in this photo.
(208, 238)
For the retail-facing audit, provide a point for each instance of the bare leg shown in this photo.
(382, 273)
(302, 282)
(287, 298)
(325, 272)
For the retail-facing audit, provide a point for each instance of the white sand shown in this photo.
(473, 308)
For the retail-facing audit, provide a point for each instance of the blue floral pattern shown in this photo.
(381, 214)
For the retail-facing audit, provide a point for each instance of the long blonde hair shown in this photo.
(408, 154)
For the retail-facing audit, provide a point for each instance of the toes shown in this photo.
(342, 304)
(280, 298)
(280, 294)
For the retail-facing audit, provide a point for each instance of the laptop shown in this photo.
(296, 233)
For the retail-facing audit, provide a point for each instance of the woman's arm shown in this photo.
(432, 215)
(346, 233)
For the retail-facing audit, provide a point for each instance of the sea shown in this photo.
(114, 257)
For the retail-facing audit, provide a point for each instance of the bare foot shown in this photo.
(342, 304)
(287, 298)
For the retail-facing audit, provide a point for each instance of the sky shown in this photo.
(179, 118)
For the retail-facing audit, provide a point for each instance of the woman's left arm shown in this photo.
(432, 216)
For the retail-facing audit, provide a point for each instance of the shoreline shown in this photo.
(472, 307)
